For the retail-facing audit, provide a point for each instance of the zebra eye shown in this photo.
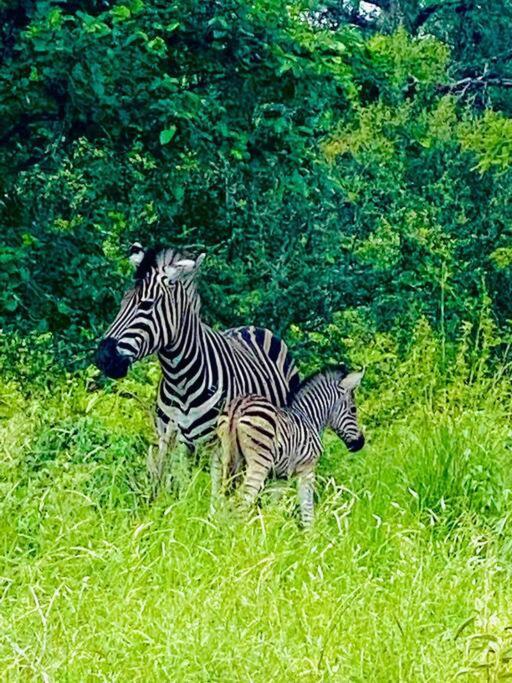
(353, 410)
(147, 304)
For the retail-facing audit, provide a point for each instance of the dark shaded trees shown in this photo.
(361, 170)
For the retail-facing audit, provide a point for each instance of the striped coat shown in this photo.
(201, 368)
(264, 440)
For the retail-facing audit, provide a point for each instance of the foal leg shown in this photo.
(255, 475)
(277, 490)
(306, 490)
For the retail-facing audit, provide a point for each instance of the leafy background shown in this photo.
(346, 166)
(335, 163)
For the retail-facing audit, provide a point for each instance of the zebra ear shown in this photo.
(352, 381)
(199, 260)
(187, 265)
(179, 268)
(136, 254)
(184, 266)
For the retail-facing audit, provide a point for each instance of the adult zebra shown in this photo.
(201, 368)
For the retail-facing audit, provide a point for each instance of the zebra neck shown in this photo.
(187, 360)
(314, 402)
(185, 346)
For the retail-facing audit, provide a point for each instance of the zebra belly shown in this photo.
(195, 421)
(297, 447)
(196, 427)
(197, 424)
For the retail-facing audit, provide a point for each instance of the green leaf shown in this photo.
(121, 12)
(157, 45)
(167, 135)
(11, 305)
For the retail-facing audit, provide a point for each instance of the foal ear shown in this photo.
(352, 381)
(136, 254)
(199, 261)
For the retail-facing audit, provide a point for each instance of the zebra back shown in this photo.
(269, 351)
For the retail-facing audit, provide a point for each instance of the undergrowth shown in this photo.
(406, 575)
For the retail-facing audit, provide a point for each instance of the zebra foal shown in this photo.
(267, 440)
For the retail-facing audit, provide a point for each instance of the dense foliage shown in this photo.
(347, 166)
(334, 170)
(406, 575)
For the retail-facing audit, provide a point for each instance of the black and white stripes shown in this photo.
(263, 439)
(201, 368)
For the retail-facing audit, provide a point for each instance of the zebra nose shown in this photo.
(110, 361)
(356, 444)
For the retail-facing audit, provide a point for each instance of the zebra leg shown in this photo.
(220, 458)
(156, 462)
(306, 490)
(254, 480)
(180, 467)
(216, 476)
(277, 490)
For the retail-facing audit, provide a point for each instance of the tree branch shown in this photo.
(357, 19)
(502, 57)
(424, 15)
(381, 4)
(334, 16)
(465, 84)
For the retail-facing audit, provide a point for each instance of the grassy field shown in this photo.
(406, 575)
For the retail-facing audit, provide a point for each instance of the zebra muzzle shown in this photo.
(108, 359)
(356, 444)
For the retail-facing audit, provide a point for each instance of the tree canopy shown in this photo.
(342, 161)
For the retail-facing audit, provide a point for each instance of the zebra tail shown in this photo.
(232, 456)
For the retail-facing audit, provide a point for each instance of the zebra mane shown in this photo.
(339, 371)
(155, 257)
(148, 262)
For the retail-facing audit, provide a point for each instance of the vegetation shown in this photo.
(326, 170)
(347, 168)
(405, 576)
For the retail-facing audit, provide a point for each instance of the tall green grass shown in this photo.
(406, 575)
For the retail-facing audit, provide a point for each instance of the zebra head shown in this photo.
(343, 417)
(150, 310)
